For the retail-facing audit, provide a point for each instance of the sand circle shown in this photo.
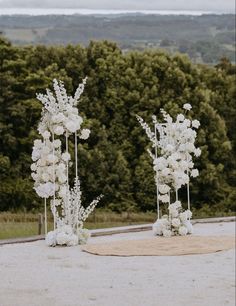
(160, 246)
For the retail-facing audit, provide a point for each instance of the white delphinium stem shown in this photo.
(45, 217)
(76, 179)
(67, 162)
(169, 197)
(54, 189)
(176, 194)
(188, 191)
(157, 183)
(76, 157)
(147, 129)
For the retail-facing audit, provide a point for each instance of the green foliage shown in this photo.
(114, 160)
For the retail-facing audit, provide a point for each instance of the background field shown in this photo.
(204, 38)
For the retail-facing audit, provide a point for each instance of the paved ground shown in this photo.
(32, 274)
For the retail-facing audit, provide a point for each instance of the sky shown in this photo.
(227, 6)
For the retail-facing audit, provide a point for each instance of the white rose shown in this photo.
(85, 134)
(183, 231)
(45, 190)
(57, 143)
(187, 106)
(33, 167)
(75, 111)
(184, 164)
(46, 135)
(83, 235)
(187, 122)
(73, 240)
(52, 159)
(58, 130)
(59, 118)
(35, 154)
(42, 162)
(38, 143)
(71, 126)
(167, 233)
(165, 172)
(157, 227)
(51, 239)
(163, 188)
(195, 124)
(177, 204)
(62, 178)
(164, 198)
(65, 156)
(180, 117)
(194, 173)
(183, 217)
(173, 212)
(62, 238)
(34, 176)
(175, 222)
(45, 177)
(190, 147)
(189, 214)
(63, 191)
(160, 163)
(45, 150)
(170, 148)
(189, 227)
(197, 152)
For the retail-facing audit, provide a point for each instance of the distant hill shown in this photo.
(204, 38)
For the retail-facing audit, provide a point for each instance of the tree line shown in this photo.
(114, 160)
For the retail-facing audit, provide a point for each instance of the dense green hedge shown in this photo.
(114, 160)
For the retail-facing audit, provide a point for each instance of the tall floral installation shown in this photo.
(174, 147)
(50, 171)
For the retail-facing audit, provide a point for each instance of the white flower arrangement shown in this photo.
(176, 223)
(60, 117)
(173, 167)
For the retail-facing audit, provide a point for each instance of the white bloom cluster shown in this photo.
(174, 141)
(147, 129)
(60, 114)
(176, 145)
(50, 170)
(177, 223)
(73, 211)
(83, 235)
(63, 235)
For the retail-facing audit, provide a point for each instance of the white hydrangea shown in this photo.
(45, 190)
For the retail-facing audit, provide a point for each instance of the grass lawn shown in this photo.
(23, 225)
(13, 225)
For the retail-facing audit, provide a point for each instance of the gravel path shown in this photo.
(32, 274)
